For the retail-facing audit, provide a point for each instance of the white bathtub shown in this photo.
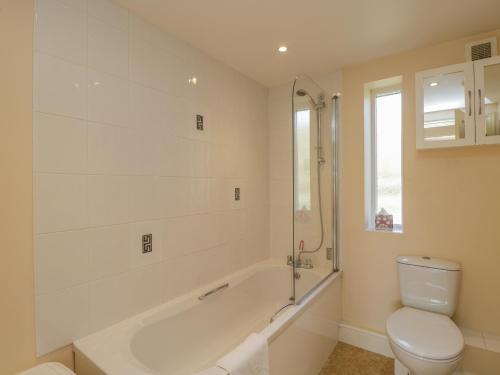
(187, 335)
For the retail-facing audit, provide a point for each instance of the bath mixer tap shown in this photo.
(306, 264)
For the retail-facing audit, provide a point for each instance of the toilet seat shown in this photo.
(425, 335)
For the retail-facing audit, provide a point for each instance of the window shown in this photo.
(303, 159)
(383, 155)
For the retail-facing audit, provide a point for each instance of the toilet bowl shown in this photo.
(51, 368)
(426, 343)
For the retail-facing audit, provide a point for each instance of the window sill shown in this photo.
(395, 230)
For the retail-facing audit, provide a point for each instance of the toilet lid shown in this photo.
(425, 334)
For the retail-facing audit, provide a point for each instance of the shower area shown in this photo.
(310, 215)
(315, 115)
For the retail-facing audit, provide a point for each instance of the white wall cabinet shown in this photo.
(459, 105)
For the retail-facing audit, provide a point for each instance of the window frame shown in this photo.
(372, 92)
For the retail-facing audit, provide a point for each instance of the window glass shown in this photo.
(303, 162)
(385, 185)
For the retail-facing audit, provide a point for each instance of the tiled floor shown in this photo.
(349, 360)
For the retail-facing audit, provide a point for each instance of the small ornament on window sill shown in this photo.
(384, 221)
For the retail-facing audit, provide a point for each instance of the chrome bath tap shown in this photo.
(306, 264)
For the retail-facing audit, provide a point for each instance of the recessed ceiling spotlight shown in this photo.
(433, 84)
(282, 49)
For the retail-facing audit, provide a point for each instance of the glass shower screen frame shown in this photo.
(307, 99)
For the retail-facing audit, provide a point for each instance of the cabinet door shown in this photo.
(487, 93)
(445, 107)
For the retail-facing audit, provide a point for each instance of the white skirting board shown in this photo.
(364, 339)
(372, 341)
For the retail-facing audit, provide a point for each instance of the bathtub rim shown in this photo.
(121, 333)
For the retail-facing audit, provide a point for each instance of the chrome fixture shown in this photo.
(306, 264)
(213, 291)
(311, 107)
(335, 180)
(318, 105)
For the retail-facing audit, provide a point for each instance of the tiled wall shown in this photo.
(117, 155)
(280, 171)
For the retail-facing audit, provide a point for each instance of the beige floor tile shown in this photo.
(350, 360)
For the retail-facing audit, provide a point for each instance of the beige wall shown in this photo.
(451, 204)
(17, 336)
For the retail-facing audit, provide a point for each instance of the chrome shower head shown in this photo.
(302, 92)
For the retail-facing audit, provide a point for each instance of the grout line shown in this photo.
(161, 130)
(136, 267)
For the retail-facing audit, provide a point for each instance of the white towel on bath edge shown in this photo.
(249, 358)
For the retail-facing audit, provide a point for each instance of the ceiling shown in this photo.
(322, 35)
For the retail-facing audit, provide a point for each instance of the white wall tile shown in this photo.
(183, 118)
(161, 109)
(108, 149)
(217, 263)
(201, 154)
(142, 203)
(234, 222)
(175, 156)
(108, 48)
(108, 12)
(149, 108)
(223, 193)
(200, 195)
(108, 200)
(60, 202)
(59, 87)
(108, 98)
(169, 72)
(172, 196)
(61, 260)
(140, 29)
(148, 285)
(140, 106)
(141, 61)
(143, 150)
(188, 234)
(117, 155)
(61, 30)
(59, 144)
(181, 276)
(109, 251)
(61, 318)
(110, 301)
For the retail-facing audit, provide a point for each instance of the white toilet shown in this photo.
(421, 334)
(51, 368)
